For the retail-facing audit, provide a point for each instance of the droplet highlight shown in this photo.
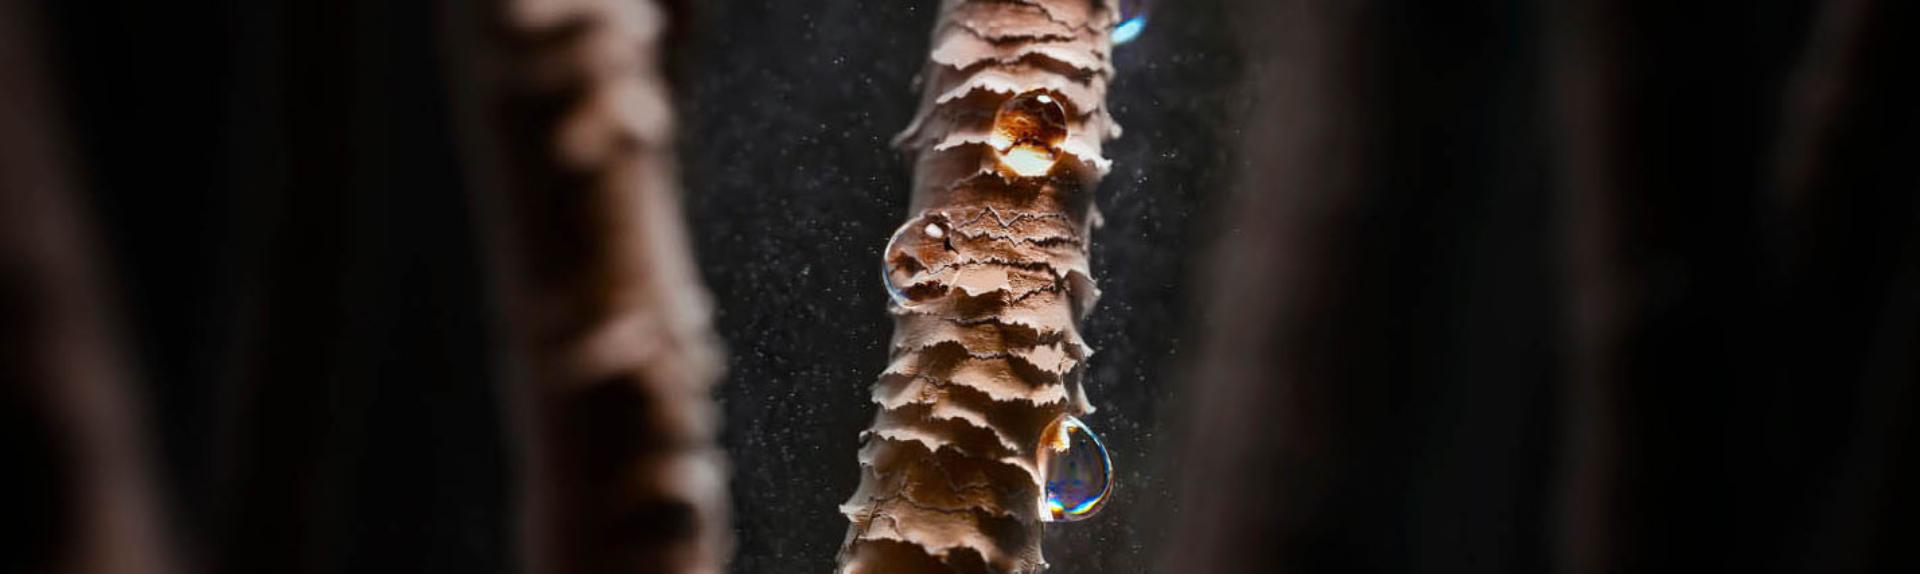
(1130, 29)
(1133, 22)
(1078, 473)
(908, 252)
(1027, 130)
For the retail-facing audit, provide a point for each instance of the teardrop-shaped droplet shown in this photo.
(1026, 131)
(906, 254)
(1078, 473)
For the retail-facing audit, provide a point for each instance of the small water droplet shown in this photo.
(1129, 30)
(1077, 471)
(1026, 131)
(1133, 21)
(909, 244)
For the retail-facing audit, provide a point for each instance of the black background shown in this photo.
(279, 189)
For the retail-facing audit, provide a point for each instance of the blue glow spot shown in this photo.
(1129, 30)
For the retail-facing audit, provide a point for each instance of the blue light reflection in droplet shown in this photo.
(1130, 29)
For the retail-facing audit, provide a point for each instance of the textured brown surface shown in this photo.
(605, 304)
(987, 349)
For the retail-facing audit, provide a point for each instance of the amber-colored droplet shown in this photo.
(1033, 118)
(1027, 132)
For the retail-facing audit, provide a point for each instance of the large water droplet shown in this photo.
(1026, 131)
(1078, 473)
(906, 253)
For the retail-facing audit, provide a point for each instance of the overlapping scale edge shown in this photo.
(987, 349)
(624, 333)
(962, 52)
(625, 102)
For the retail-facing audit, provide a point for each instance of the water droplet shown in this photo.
(1129, 30)
(906, 253)
(1026, 131)
(1133, 21)
(1077, 471)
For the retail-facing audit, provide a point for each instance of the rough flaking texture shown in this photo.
(610, 319)
(993, 275)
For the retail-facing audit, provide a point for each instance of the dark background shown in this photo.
(278, 186)
(1349, 225)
